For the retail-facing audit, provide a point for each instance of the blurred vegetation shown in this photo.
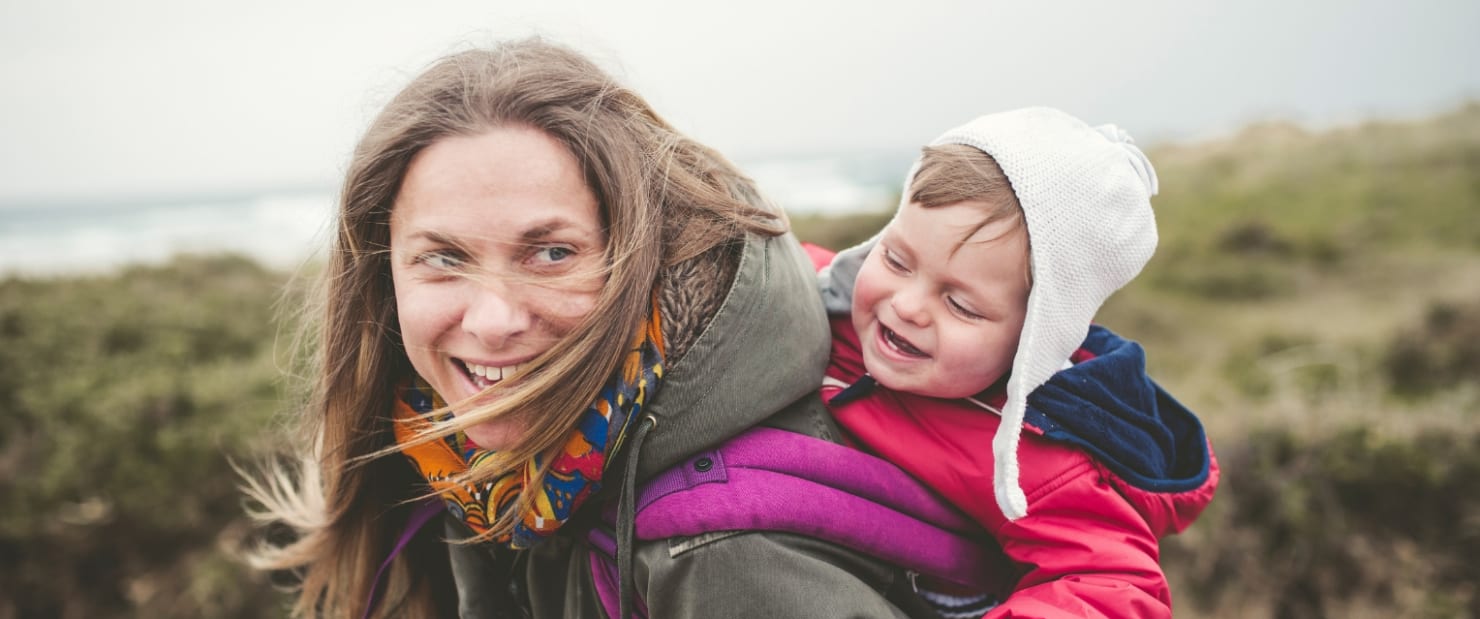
(1316, 297)
(123, 397)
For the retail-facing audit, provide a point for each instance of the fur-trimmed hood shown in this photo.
(742, 347)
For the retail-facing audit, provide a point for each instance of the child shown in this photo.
(970, 362)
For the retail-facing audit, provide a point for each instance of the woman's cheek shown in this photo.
(565, 308)
(424, 313)
(570, 309)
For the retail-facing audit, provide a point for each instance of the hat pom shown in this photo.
(1138, 159)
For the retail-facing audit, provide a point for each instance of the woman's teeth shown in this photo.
(485, 375)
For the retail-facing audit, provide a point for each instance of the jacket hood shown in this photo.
(764, 347)
(1109, 407)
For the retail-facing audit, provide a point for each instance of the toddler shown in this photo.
(967, 357)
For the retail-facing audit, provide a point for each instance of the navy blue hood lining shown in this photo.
(1109, 407)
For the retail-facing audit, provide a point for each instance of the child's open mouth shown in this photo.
(485, 376)
(898, 343)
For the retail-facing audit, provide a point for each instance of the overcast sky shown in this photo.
(150, 98)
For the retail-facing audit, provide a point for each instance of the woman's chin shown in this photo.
(497, 434)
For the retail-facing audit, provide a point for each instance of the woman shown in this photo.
(540, 296)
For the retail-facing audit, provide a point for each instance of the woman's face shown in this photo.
(497, 251)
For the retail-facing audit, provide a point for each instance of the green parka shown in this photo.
(756, 357)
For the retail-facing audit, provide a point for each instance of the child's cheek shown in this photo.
(866, 289)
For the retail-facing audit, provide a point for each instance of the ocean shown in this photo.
(284, 228)
(279, 229)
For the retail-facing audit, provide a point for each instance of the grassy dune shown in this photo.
(1316, 298)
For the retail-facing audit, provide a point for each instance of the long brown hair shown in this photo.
(664, 199)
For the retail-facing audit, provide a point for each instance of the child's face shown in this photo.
(496, 254)
(936, 316)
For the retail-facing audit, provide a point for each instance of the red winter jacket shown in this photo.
(1109, 464)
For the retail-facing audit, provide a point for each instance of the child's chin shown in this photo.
(914, 385)
(889, 380)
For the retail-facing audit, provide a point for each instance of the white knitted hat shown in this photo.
(1085, 193)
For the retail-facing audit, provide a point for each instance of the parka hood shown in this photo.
(764, 348)
(1109, 407)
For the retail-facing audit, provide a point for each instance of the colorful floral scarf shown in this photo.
(575, 474)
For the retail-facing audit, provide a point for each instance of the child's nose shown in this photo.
(910, 306)
(494, 314)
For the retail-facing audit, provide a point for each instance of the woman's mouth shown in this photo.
(485, 376)
(897, 343)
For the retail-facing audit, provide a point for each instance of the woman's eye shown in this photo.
(957, 307)
(553, 254)
(441, 260)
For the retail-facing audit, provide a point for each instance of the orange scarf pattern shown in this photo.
(576, 471)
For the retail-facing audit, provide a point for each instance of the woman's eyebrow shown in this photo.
(544, 228)
(431, 236)
(436, 237)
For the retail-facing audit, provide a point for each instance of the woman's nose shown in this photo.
(494, 314)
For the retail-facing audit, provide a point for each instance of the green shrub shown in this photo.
(123, 398)
(1222, 278)
(838, 232)
(1319, 526)
(1440, 353)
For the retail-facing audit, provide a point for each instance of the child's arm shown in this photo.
(1089, 553)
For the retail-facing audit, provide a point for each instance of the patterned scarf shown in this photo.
(575, 474)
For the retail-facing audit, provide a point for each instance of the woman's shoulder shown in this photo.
(765, 348)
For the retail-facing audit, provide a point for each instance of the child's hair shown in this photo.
(663, 199)
(954, 173)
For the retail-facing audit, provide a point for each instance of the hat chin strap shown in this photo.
(1005, 486)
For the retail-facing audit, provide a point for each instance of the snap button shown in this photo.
(703, 465)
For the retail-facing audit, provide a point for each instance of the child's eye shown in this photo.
(893, 262)
(553, 254)
(962, 310)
